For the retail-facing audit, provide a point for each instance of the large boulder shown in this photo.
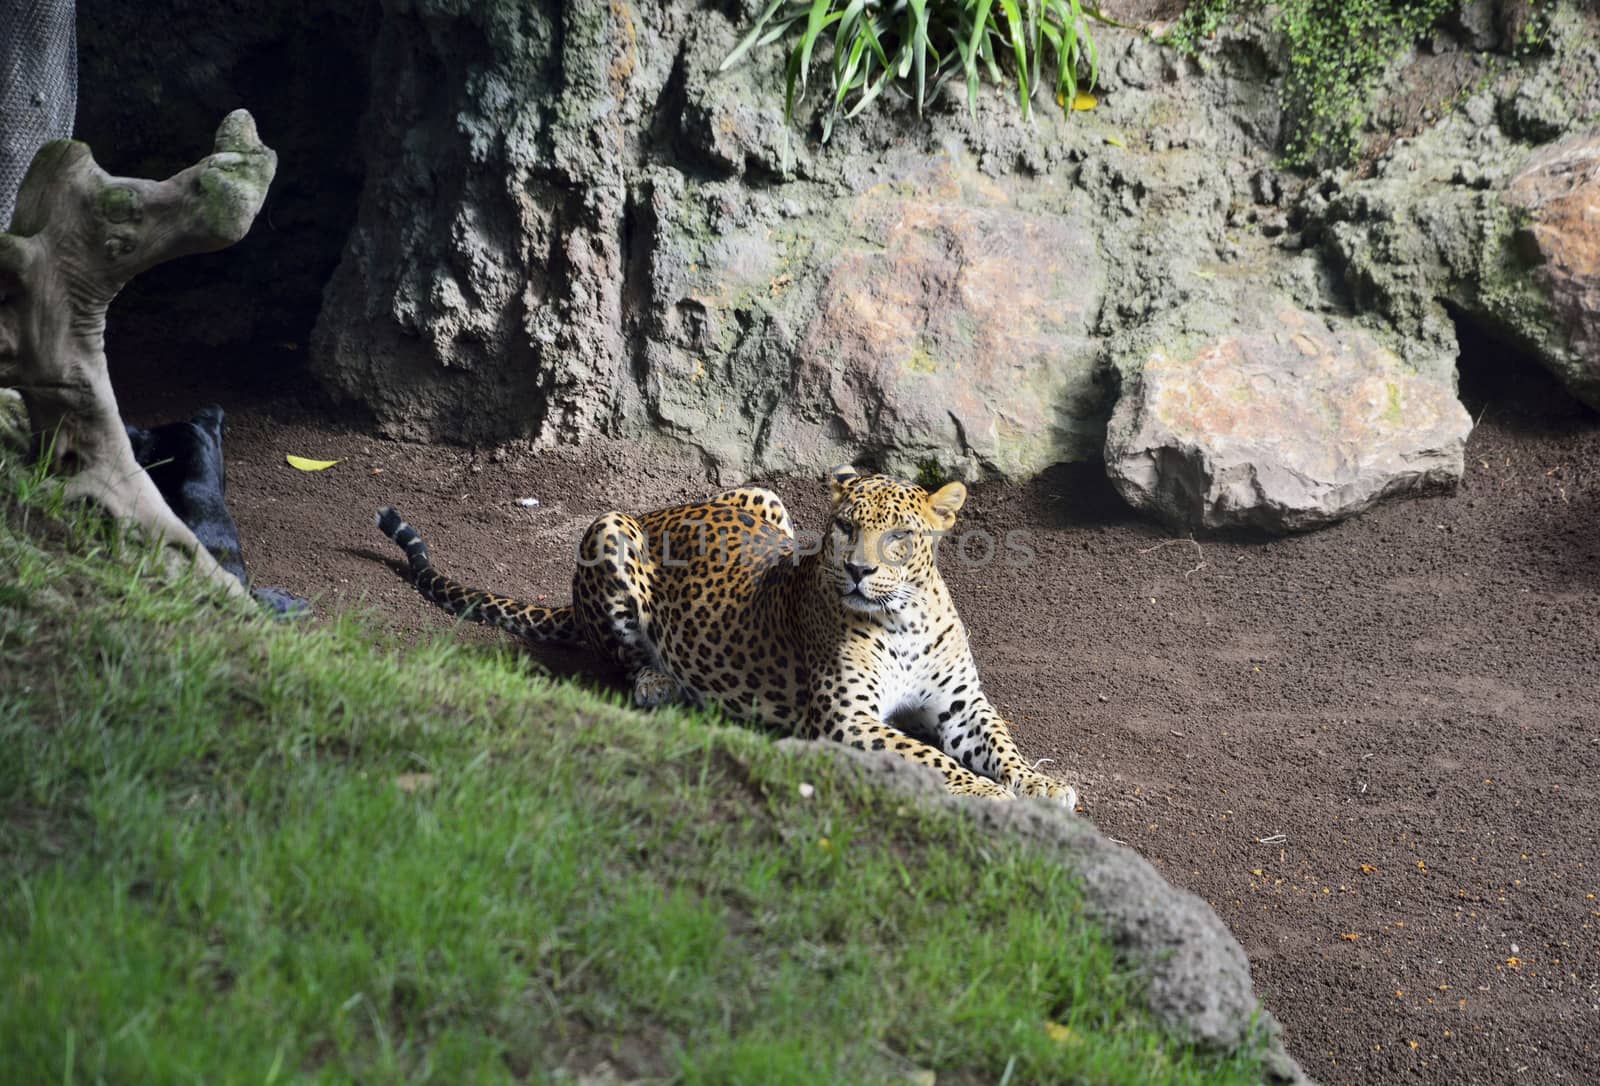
(1558, 194)
(1284, 420)
(934, 317)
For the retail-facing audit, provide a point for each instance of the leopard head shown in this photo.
(882, 540)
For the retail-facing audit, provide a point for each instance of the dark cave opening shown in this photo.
(1502, 381)
(232, 326)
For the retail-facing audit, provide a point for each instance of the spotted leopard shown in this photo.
(856, 640)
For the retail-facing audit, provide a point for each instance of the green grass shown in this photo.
(236, 851)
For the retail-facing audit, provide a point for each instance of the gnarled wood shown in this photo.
(77, 236)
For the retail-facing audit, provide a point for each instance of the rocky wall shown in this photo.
(556, 220)
(574, 224)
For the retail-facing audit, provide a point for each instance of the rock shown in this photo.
(953, 326)
(1558, 193)
(934, 316)
(1283, 422)
(1476, 23)
(1433, 236)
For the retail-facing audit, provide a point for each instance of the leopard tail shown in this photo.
(528, 621)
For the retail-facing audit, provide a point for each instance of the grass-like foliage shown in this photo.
(238, 851)
(870, 46)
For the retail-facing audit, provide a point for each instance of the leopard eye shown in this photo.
(843, 527)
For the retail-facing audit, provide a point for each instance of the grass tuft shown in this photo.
(240, 851)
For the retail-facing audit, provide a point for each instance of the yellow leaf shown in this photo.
(1350, 936)
(1115, 142)
(303, 464)
(1061, 1035)
(1084, 102)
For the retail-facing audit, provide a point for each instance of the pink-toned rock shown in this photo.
(1284, 425)
(953, 326)
(1558, 190)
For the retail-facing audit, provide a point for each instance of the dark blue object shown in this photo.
(184, 460)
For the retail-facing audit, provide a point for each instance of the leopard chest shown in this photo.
(905, 671)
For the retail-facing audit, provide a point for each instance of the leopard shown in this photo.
(853, 637)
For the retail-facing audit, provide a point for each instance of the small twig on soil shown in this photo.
(1272, 839)
(1198, 552)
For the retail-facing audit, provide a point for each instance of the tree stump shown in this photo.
(77, 236)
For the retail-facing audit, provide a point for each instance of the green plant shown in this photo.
(879, 43)
(1199, 21)
(930, 475)
(1535, 32)
(1337, 50)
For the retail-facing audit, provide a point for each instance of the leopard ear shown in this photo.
(841, 477)
(946, 502)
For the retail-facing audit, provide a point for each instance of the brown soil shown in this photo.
(1374, 749)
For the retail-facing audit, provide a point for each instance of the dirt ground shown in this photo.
(1374, 749)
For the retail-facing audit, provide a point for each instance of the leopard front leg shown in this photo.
(611, 598)
(972, 731)
(864, 732)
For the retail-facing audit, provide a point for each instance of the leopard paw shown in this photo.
(1043, 787)
(652, 688)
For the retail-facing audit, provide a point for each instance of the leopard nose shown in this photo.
(859, 573)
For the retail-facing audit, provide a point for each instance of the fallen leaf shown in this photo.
(1060, 1034)
(1368, 869)
(1084, 102)
(1350, 936)
(303, 464)
(413, 782)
